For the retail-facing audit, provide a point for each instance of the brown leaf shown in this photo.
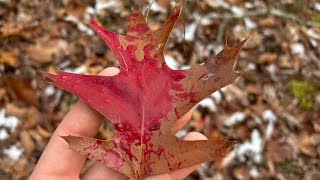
(307, 144)
(42, 52)
(20, 89)
(267, 58)
(27, 142)
(278, 151)
(8, 57)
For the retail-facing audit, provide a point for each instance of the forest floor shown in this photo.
(272, 109)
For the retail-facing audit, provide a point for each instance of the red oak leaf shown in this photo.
(145, 99)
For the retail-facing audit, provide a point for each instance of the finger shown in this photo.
(181, 173)
(99, 171)
(58, 159)
(181, 122)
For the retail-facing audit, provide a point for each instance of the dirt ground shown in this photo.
(272, 109)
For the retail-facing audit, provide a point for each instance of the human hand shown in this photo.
(58, 161)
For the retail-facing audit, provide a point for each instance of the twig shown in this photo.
(149, 10)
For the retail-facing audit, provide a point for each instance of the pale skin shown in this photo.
(58, 161)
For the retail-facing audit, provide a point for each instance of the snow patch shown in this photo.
(235, 118)
(3, 134)
(217, 96)
(249, 5)
(297, 48)
(254, 172)
(250, 149)
(77, 70)
(313, 34)
(218, 3)
(190, 31)
(49, 90)
(9, 122)
(205, 20)
(317, 6)
(270, 117)
(271, 68)
(88, 12)
(184, 67)
(101, 4)
(171, 62)
(249, 23)
(13, 152)
(314, 42)
(251, 66)
(208, 102)
(237, 10)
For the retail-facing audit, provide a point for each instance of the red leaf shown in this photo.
(145, 99)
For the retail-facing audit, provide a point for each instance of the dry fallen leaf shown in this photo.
(8, 57)
(145, 99)
(43, 51)
(20, 89)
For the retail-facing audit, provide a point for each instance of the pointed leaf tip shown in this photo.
(93, 22)
(49, 75)
(66, 138)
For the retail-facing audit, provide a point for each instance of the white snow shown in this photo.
(313, 42)
(250, 149)
(77, 70)
(13, 152)
(88, 12)
(249, 23)
(208, 102)
(183, 67)
(237, 28)
(249, 4)
(313, 34)
(218, 3)
(101, 4)
(49, 90)
(271, 68)
(251, 66)
(205, 20)
(3, 134)
(237, 10)
(270, 117)
(217, 96)
(171, 62)
(297, 48)
(190, 31)
(317, 6)
(9, 122)
(254, 172)
(235, 118)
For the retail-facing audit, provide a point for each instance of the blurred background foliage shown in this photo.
(272, 110)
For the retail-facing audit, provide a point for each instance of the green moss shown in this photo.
(305, 91)
(315, 17)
